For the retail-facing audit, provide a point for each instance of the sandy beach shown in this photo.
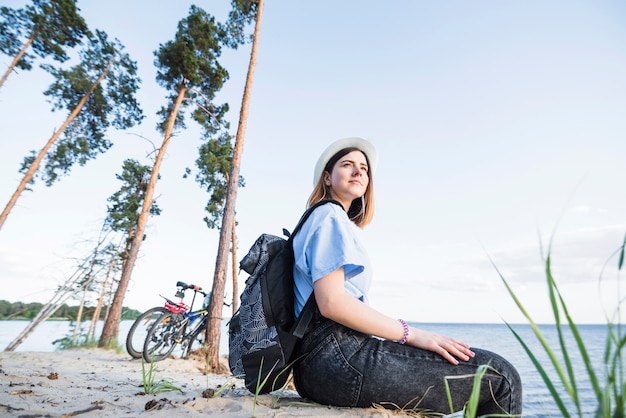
(103, 383)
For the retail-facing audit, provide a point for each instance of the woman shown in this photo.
(353, 355)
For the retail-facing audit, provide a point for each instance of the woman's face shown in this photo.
(348, 179)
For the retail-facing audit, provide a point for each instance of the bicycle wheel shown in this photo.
(197, 334)
(163, 337)
(139, 330)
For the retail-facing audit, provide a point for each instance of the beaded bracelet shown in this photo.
(406, 331)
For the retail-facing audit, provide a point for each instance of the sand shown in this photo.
(103, 383)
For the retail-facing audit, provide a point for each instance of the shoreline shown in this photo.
(104, 383)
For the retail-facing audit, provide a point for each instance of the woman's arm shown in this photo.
(334, 303)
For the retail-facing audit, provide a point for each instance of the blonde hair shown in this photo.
(361, 210)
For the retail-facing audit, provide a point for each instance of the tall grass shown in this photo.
(150, 385)
(82, 340)
(609, 386)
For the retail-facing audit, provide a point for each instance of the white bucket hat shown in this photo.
(354, 142)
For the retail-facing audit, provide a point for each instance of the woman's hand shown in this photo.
(334, 303)
(446, 347)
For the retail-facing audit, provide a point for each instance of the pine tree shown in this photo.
(45, 27)
(97, 93)
(188, 68)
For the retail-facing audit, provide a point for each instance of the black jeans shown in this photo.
(342, 367)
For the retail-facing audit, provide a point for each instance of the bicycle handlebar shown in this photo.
(186, 286)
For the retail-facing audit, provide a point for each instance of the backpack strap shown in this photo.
(302, 322)
(306, 215)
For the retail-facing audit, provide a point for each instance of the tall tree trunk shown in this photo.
(79, 315)
(112, 322)
(17, 58)
(233, 241)
(217, 298)
(96, 314)
(30, 173)
(109, 299)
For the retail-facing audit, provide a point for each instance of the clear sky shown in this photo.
(499, 125)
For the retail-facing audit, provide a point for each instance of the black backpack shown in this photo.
(264, 331)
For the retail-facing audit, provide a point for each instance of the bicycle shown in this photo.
(139, 329)
(179, 325)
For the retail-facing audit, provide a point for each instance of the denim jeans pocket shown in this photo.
(328, 377)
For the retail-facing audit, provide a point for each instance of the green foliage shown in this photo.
(81, 341)
(107, 79)
(610, 394)
(53, 25)
(11, 27)
(242, 14)
(189, 62)
(214, 162)
(215, 154)
(125, 204)
(20, 310)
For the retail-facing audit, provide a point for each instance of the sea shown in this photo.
(537, 401)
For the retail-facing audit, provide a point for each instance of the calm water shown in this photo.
(41, 339)
(537, 400)
(493, 337)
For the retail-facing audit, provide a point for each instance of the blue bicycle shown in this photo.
(179, 326)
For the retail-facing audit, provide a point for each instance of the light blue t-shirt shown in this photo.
(327, 241)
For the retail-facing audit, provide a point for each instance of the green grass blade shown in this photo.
(472, 403)
(149, 386)
(147, 376)
(620, 262)
(553, 292)
(470, 408)
(615, 379)
(593, 378)
(555, 298)
(448, 395)
(538, 334)
(260, 383)
(542, 372)
(613, 388)
(287, 369)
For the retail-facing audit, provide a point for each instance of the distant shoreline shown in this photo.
(29, 319)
